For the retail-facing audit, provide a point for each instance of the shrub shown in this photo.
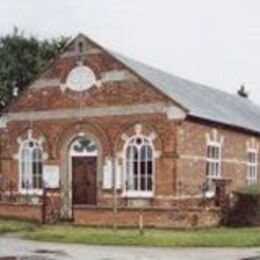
(253, 190)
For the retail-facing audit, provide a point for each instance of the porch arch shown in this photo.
(68, 138)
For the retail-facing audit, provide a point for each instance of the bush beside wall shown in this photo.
(245, 210)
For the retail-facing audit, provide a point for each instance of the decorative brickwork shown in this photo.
(118, 105)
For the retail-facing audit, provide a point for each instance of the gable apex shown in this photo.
(78, 51)
(81, 45)
(197, 100)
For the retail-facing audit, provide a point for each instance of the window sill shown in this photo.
(210, 194)
(138, 195)
(251, 182)
(31, 192)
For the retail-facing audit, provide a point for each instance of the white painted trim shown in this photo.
(252, 165)
(179, 197)
(194, 157)
(175, 113)
(139, 109)
(126, 192)
(74, 153)
(138, 194)
(3, 122)
(210, 194)
(20, 188)
(117, 75)
(70, 157)
(217, 161)
(214, 163)
(155, 108)
(213, 143)
(18, 157)
(45, 83)
(31, 192)
(106, 77)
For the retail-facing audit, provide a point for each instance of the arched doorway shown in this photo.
(83, 154)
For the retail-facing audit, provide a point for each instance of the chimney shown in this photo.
(242, 92)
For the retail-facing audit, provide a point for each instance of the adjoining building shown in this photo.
(94, 112)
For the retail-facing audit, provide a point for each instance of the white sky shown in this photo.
(214, 42)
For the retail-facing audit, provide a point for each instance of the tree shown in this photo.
(21, 59)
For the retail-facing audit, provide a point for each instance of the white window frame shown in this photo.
(214, 166)
(137, 193)
(30, 191)
(72, 153)
(252, 167)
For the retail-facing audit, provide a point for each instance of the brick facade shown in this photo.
(21, 211)
(192, 155)
(107, 113)
(154, 217)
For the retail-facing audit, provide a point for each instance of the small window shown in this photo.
(80, 47)
(252, 166)
(213, 165)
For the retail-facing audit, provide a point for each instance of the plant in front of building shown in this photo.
(250, 190)
(245, 210)
(21, 59)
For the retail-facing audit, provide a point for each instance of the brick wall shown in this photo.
(153, 217)
(185, 141)
(117, 92)
(187, 217)
(107, 129)
(56, 132)
(21, 211)
(192, 153)
(180, 168)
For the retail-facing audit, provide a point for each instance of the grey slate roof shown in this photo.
(201, 101)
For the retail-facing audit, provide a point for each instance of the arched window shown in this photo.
(139, 165)
(31, 166)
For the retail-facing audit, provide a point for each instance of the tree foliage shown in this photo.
(21, 59)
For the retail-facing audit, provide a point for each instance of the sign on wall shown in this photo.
(51, 176)
(108, 174)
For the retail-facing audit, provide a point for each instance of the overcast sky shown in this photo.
(214, 42)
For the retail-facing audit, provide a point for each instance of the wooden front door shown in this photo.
(84, 180)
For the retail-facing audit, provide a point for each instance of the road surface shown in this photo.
(31, 250)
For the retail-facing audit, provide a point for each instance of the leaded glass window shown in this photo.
(31, 165)
(139, 165)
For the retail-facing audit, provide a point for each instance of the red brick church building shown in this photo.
(93, 113)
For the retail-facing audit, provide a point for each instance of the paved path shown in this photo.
(41, 250)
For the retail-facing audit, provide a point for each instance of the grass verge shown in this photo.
(212, 237)
(7, 226)
(215, 237)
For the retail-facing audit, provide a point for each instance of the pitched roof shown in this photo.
(201, 101)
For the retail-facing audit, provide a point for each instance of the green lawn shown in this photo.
(7, 226)
(213, 237)
(216, 237)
